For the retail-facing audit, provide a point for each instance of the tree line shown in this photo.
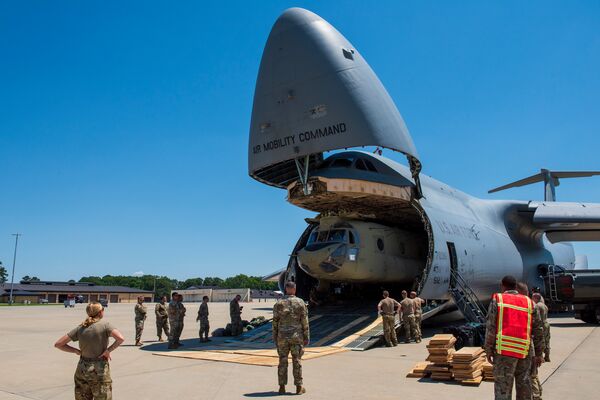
(164, 284)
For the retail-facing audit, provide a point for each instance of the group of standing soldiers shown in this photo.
(170, 317)
(410, 313)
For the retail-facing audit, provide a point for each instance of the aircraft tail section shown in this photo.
(551, 179)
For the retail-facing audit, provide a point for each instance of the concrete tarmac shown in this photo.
(32, 369)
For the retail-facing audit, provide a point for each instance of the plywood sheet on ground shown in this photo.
(267, 358)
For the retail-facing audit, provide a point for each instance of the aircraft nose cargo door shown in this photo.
(315, 93)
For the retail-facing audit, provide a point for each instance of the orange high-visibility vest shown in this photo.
(514, 321)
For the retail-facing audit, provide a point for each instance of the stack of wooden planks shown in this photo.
(441, 350)
(488, 372)
(467, 365)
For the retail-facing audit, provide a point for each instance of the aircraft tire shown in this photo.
(590, 316)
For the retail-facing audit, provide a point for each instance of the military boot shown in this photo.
(300, 390)
(281, 389)
(547, 356)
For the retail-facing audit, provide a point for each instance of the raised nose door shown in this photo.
(316, 93)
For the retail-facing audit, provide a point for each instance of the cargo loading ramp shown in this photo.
(329, 326)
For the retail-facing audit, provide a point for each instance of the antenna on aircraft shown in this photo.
(550, 179)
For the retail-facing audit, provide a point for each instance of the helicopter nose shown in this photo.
(328, 259)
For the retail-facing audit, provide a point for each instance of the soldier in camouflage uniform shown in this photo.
(536, 386)
(92, 376)
(203, 318)
(510, 370)
(181, 315)
(173, 311)
(291, 333)
(235, 312)
(408, 318)
(544, 313)
(140, 317)
(418, 313)
(162, 318)
(388, 308)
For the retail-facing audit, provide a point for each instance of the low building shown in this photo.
(194, 294)
(58, 292)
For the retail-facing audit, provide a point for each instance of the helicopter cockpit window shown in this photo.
(331, 236)
(322, 237)
(350, 237)
(337, 235)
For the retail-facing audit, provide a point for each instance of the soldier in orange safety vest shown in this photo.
(513, 326)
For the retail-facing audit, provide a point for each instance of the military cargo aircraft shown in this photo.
(381, 223)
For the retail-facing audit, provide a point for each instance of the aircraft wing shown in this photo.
(567, 222)
(274, 276)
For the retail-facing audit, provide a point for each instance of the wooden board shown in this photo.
(267, 358)
(441, 351)
(468, 353)
(421, 366)
(441, 377)
(439, 360)
(467, 375)
(415, 375)
(472, 382)
(467, 367)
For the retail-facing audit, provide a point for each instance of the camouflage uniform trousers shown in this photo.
(389, 329)
(162, 324)
(92, 380)
(179, 329)
(236, 325)
(509, 370)
(139, 328)
(285, 347)
(418, 317)
(174, 333)
(536, 386)
(204, 328)
(410, 327)
(547, 340)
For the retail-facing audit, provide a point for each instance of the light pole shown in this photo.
(12, 277)
(154, 290)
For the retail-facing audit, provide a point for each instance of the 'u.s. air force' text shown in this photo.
(300, 138)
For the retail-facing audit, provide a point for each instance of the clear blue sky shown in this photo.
(123, 127)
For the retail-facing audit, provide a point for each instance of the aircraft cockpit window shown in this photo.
(370, 166)
(325, 164)
(365, 165)
(350, 237)
(360, 164)
(337, 235)
(341, 163)
(331, 236)
(322, 237)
